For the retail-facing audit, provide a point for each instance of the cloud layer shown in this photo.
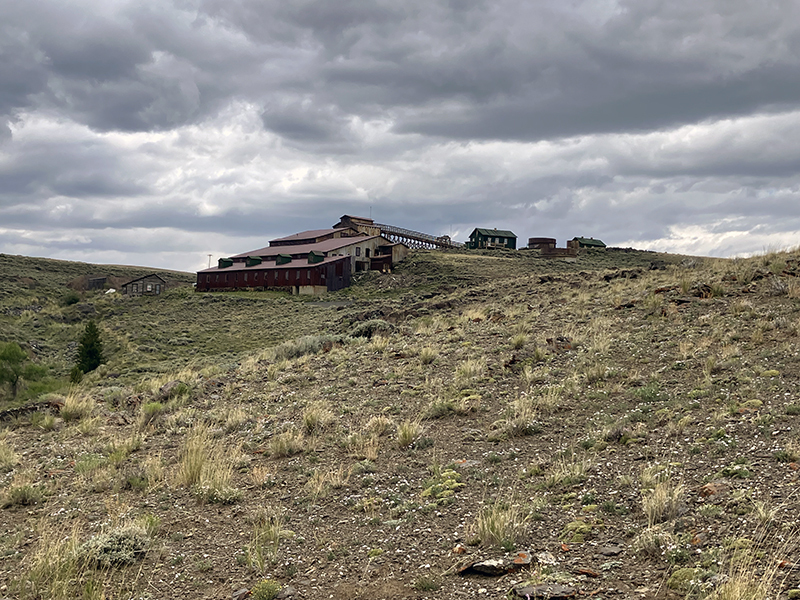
(159, 132)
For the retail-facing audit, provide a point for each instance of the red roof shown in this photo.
(323, 246)
(295, 263)
(307, 235)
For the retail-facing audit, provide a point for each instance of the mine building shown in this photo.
(584, 242)
(491, 238)
(309, 262)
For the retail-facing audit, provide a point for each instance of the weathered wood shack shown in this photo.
(149, 285)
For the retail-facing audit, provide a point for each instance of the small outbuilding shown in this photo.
(492, 238)
(149, 285)
(583, 242)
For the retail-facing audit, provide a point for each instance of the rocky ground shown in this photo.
(579, 431)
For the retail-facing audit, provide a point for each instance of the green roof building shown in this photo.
(492, 238)
(582, 242)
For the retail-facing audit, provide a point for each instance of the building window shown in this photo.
(135, 288)
(245, 276)
(358, 251)
(287, 275)
(208, 278)
(226, 277)
(216, 277)
(297, 275)
(158, 288)
(149, 287)
(366, 252)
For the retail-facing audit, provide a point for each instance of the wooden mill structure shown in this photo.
(412, 239)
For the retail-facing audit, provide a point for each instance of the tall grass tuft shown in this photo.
(501, 524)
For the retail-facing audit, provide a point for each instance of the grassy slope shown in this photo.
(660, 394)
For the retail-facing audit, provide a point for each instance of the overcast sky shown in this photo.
(156, 132)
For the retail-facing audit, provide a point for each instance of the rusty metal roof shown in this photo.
(323, 246)
(271, 265)
(310, 234)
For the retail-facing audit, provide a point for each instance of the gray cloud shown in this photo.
(664, 124)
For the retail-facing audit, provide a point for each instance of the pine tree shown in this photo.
(90, 350)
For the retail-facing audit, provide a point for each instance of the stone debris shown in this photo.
(714, 491)
(546, 559)
(495, 567)
(169, 389)
(611, 550)
(546, 591)
(286, 592)
(559, 344)
(241, 594)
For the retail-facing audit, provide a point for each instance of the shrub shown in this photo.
(15, 367)
(309, 344)
(120, 546)
(22, 493)
(369, 328)
(70, 297)
(75, 374)
(150, 412)
(441, 407)
(266, 589)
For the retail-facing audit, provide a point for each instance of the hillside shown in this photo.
(625, 425)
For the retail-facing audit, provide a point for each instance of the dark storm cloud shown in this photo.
(500, 70)
(628, 120)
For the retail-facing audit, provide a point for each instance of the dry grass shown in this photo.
(567, 470)
(321, 482)
(287, 443)
(380, 425)
(316, 417)
(8, 458)
(501, 524)
(77, 406)
(408, 432)
(207, 466)
(428, 355)
(664, 502)
(267, 534)
(470, 370)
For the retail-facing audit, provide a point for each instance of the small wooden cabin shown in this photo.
(149, 285)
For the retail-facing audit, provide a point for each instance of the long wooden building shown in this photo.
(309, 262)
